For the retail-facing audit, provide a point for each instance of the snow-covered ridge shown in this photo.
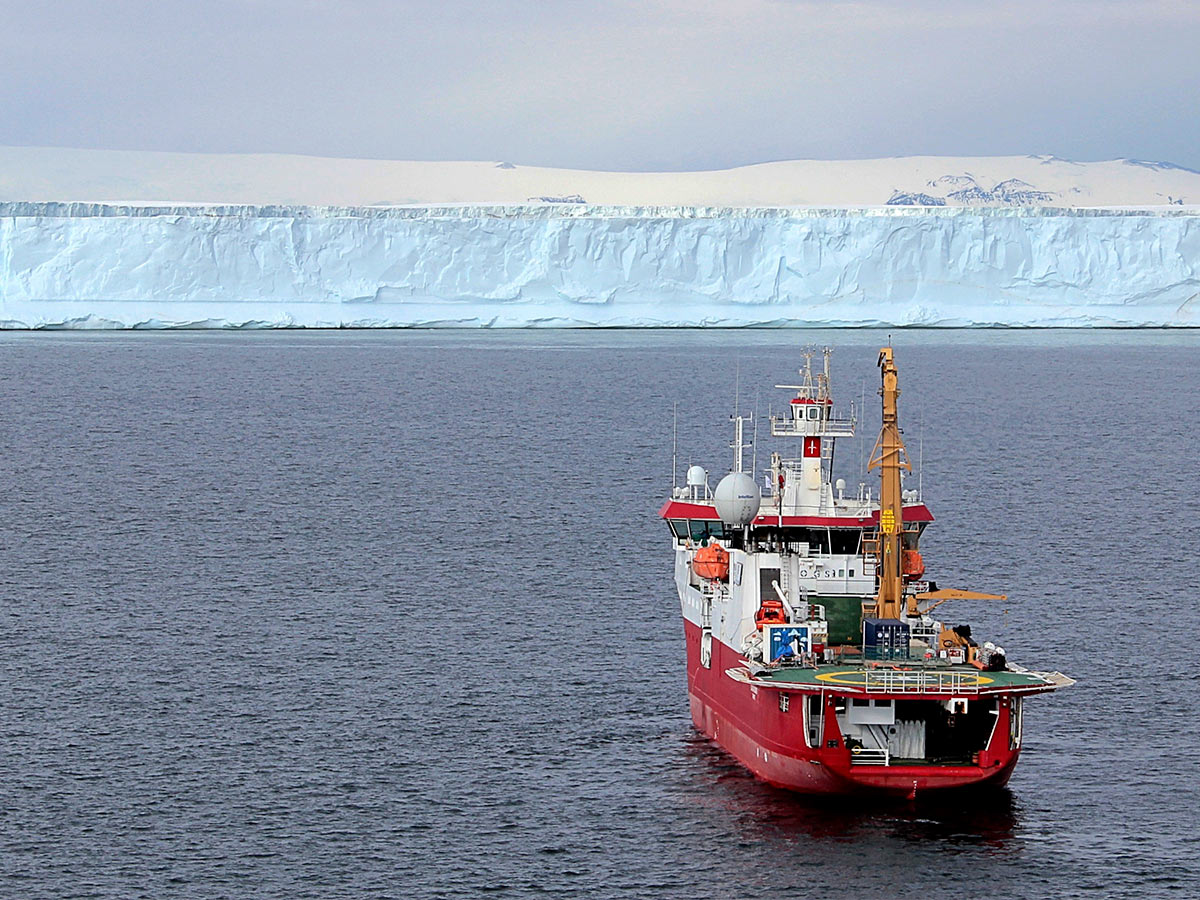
(553, 210)
(48, 173)
(549, 264)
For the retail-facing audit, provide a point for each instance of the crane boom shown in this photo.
(890, 456)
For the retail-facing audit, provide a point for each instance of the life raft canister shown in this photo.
(912, 564)
(770, 613)
(711, 562)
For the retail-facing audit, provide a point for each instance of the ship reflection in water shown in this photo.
(985, 819)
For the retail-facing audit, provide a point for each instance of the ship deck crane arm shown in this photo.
(941, 595)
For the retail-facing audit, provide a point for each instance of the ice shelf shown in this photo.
(161, 266)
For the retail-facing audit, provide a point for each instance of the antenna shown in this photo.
(738, 443)
(862, 441)
(674, 442)
(921, 459)
(769, 420)
(754, 442)
(737, 382)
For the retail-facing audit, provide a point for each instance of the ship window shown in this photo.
(851, 573)
(680, 527)
(816, 538)
(841, 573)
(699, 529)
(860, 701)
(813, 412)
(844, 540)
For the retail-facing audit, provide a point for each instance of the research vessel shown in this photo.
(813, 653)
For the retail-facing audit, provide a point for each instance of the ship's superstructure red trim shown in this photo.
(676, 509)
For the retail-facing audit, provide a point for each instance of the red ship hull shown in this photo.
(772, 741)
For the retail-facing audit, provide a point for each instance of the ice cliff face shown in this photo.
(85, 265)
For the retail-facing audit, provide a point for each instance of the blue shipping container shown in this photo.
(885, 639)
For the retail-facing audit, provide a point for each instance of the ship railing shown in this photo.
(926, 633)
(919, 681)
(812, 551)
(870, 756)
(834, 426)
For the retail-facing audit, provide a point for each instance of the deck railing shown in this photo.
(920, 681)
(870, 756)
(835, 426)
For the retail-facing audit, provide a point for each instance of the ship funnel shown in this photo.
(737, 499)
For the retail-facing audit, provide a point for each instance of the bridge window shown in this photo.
(679, 527)
(816, 538)
(845, 540)
(699, 529)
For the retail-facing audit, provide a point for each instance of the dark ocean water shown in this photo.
(391, 615)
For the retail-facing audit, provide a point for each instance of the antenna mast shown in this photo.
(674, 442)
(737, 384)
(754, 443)
(921, 460)
(739, 441)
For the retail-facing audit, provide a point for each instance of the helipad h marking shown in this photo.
(917, 679)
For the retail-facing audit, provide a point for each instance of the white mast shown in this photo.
(739, 441)
(802, 487)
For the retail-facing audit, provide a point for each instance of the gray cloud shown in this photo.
(617, 85)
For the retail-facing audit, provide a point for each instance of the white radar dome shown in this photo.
(737, 499)
(697, 477)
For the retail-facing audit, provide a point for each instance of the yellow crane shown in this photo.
(890, 457)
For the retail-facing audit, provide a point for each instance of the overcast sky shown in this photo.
(652, 84)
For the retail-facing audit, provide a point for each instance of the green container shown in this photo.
(844, 616)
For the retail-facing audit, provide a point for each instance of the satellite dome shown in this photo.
(697, 477)
(737, 499)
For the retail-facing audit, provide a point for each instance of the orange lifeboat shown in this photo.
(912, 565)
(770, 613)
(711, 562)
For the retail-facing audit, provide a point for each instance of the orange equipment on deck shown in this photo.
(711, 562)
(770, 613)
(913, 566)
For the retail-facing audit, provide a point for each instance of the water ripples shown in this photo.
(391, 615)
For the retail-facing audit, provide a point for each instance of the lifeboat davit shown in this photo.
(711, 562)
